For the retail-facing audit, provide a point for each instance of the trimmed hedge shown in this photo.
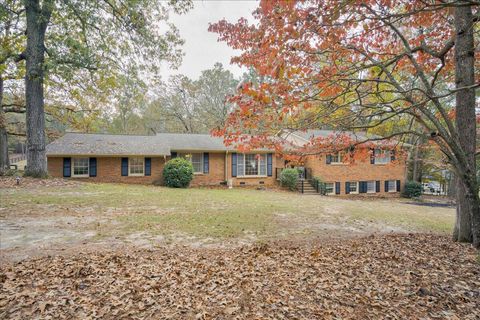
(289, 178)
(178, 173)
(412, 189)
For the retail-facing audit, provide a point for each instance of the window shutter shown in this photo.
(377, 186)
(347, 187)
(398, 185)
(124, 167)
(337, 187)
(67, 167)
(363, 186)
(328, 159)
(372, 156)
(174, 154)
(92, 164)
(206, 164)
(386, 186)
(269, 164)
(148, 166)
(392, 155)
(234, 164)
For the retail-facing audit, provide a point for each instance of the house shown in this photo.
(140, 159)
(380, 173)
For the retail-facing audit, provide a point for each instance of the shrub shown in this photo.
(318, 183)
(178, 173)
(412, 189)
(289, 178)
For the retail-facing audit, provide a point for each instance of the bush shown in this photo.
(178, 173)
(321, 185)
(412, 189)
(289, 178)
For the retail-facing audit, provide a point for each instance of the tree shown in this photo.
(357, 65)
(63, 37)
(193, 106)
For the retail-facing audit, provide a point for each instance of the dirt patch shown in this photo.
(397, 277)
(27, 182)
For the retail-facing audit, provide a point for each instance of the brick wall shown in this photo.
(216, 172)
(361, 170)
(109, 170)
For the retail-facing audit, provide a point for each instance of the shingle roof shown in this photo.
(192, 142)
(356, 136)
(107, 144)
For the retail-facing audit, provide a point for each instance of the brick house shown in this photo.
(140, 159)
(381, 173)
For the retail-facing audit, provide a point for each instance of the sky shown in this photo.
(201, 47)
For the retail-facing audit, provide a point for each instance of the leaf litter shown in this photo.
(407, 276)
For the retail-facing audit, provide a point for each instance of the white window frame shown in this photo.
(340, 157)
(85, 175)
(326, 188)
(261, 163)
(382, 156)
(374, 186)
(356, 183)
(394, 186)
(129, 167)
(189, 157)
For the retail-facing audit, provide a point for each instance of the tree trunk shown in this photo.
(4, 160)
(417, 163)
(37, 21)
(467, 226)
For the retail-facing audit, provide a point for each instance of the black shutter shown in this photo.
(269, 164)
(92, 167)
(398, 185)
(337, 187)
(234, 164)
(392, 155)
(372, 156)
(124, 167)
(377, 186)
(347, 187)
(363, 186)
(328, 159)
(148, 166)
(67, 167)
(386, 186)
(206, 164)
(174, 154)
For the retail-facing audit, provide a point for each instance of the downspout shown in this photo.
(226, 167)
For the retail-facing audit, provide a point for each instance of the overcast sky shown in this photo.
(201, 47)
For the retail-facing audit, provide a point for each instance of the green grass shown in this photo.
(218, 213)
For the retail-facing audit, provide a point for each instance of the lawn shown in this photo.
(58, 212)
(80, 250)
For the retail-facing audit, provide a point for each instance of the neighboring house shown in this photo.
(140, 159)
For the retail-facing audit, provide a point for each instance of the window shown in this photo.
(136, 166)
(251, 164)
(382, 156)
(338, 157)
(196, 159)
(353, 186)
(392, 186)
(80, 167)
(329, 188)
(370, 186)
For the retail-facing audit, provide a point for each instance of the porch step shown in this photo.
(307, 187)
